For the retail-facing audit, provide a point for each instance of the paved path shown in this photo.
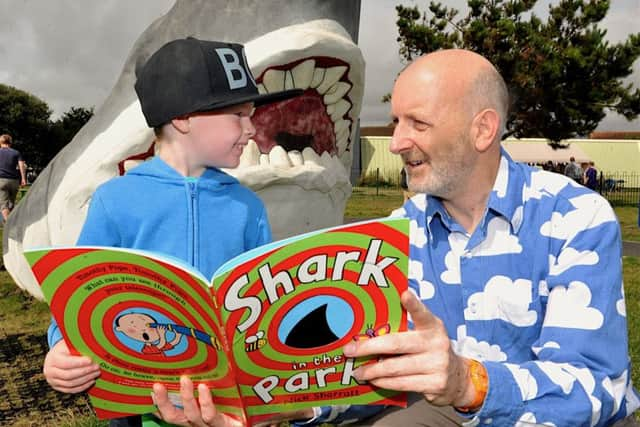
(631, 248)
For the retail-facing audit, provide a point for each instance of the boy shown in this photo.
(198, 96)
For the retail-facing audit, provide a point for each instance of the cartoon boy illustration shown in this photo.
(144, 328)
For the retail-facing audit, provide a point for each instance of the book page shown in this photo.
(143, 319)
(290, 308)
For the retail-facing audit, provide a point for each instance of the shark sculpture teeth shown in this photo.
(327, 82)
(281, 159)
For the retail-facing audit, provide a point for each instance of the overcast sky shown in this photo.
(70, 52)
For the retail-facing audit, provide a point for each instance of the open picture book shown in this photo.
(265, 333)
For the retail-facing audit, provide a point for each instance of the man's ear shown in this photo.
(484, 129)
(181, 124)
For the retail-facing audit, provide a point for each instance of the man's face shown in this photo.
(136, 326)
(217, 138)
(431, 134)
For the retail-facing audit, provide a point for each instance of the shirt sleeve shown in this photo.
(578, 374)
(98, 230)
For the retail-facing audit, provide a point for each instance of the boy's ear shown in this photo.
(181, 124)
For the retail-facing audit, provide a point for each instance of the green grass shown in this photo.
(22, 314)
(631, 274)
(628, 217)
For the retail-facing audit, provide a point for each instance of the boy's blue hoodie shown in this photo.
(203, 221)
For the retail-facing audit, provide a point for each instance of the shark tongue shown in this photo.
(295, 124)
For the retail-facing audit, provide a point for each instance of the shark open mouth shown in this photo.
(316, 119)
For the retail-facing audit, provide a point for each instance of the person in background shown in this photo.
(516, 295)
(12, 175)
(573, 170)
(591, 176)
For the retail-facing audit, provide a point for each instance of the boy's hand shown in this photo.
(201, 412)
(68, 373)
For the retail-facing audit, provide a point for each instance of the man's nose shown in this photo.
(400, 141)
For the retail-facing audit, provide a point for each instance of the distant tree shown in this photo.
(26, 118)
(65, 128)
(562, 73)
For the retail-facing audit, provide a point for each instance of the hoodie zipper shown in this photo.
(193, 221)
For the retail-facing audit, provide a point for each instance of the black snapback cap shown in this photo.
(190, 75)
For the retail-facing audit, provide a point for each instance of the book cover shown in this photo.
(265, 333)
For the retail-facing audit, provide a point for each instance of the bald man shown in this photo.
(517, 307)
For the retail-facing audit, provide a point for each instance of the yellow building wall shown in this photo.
(609, 155)
(613, 155)
(374, 154)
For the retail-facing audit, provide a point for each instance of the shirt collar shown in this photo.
(505, 198)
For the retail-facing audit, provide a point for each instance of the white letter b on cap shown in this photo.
(225, 53)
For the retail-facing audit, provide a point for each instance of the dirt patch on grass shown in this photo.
(25, 395)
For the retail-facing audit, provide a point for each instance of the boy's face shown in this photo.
(218, 137)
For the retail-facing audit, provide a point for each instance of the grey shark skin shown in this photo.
(307, 44)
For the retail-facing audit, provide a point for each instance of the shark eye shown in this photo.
(318, 321)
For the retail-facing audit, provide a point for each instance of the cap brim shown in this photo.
(257, 99)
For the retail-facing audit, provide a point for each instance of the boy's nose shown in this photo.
(249, 128)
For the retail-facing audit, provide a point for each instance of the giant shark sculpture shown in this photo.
(299, 162)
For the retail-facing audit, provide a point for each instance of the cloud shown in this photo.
(617, 388)
(469, 347)
(543, 288)
(457, 242)
(516, 220)
(633, 402)
(499, 240)
(526, 382)
(568, 258)
(502, 179)
(568, 307)
(557, 375)
(548, 344)
(591, 211)
(502, 299)
(416, 273)
(543, 184)
(398, 213)
(418, 235)
(528, 419)
(620, 305)
(588, 383)
(420, 201)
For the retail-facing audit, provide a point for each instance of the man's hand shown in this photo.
(201, 412)
(68, 373)
(420, 360)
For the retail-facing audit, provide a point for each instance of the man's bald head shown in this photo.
(463, 77)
